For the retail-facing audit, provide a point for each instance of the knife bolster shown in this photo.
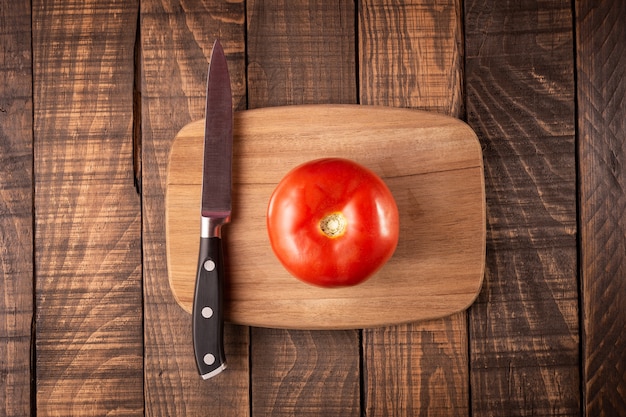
(212, 226)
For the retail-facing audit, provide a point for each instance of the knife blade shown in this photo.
(207, 317)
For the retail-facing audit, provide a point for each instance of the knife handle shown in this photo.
(208, 323)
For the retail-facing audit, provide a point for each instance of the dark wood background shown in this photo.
(92, 94)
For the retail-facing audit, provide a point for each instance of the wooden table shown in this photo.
(91, 96)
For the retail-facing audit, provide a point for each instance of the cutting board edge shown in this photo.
(360, 325)
(190, 130)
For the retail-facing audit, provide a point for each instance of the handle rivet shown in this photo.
(209, 359)
(207, 312)
(209, 265)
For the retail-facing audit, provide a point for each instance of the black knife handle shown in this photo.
(208, 322)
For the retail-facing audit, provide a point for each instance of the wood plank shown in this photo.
(411, 56)
(175, 46)
(16, 209)
(520, 101)
(305, 373)
(302, 52)
(601, 48)
(88, 231)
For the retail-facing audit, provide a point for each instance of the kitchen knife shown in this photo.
(207, 316)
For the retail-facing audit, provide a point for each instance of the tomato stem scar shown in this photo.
(333, 225)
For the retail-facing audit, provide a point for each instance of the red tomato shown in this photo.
(332, 222)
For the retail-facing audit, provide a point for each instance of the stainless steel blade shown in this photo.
(217, 171)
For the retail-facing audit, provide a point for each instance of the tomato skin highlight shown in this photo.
(310, 242)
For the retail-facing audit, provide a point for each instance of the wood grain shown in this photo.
(431, 163)
(308, 373)
(411, 55)
(176, 41)
(89, 354)
(417, 369)
(312, 36)
(520, 101)
(300, 52)
(16, 209)
(65, 127)
(601, 49)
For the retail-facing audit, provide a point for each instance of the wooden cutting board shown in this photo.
(431, 163)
